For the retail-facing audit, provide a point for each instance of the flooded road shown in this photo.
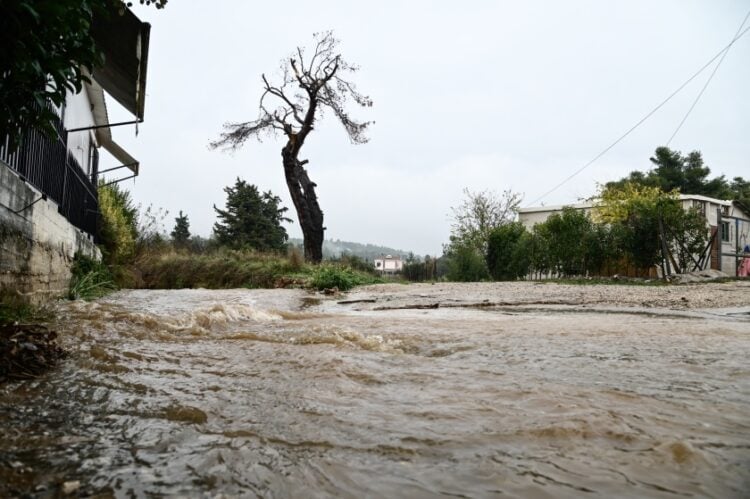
(274, 393)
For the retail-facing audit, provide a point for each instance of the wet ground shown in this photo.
(391, 391)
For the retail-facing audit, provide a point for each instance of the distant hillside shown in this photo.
(335, 248)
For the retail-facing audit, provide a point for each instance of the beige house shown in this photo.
(729, 226)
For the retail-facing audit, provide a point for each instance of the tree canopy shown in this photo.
(688, 174)
(251, 219)
(181, 232)
(480, 213)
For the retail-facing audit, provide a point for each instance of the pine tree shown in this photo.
(181, 232)
(251, 219)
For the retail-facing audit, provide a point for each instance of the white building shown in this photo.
(48, 186)
(389, 264)
(725, 220)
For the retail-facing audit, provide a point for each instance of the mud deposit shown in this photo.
(399, 391)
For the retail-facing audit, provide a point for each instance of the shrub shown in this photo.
(465, 264)
(508, 255)
(118, 224)
(90, 279)
(328, 276)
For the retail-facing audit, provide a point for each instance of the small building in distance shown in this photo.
(388, 264)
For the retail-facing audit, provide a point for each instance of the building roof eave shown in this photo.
(124, 41)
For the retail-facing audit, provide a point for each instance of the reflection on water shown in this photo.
(266, 393)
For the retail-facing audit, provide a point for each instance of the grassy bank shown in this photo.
(168, 268)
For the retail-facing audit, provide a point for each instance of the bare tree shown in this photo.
(307, 87)
(480, 213)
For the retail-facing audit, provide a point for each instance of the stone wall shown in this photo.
(37, 244)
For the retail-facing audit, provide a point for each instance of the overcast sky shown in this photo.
(475, 94)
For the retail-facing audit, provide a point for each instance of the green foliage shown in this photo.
(222, 268)
(354, 262)
(741, 193)
(569, 242)
(634, 211)
(479, 213)
(417, 270)
(118, 229)
(126, 232)
(251, 219)
(90, 279)
(165, 268)
(47, 51)
(687, 236)
(474, 220)
(181, 232)
(508, 252)
(687, 174)
(343, 278)
(465, 263)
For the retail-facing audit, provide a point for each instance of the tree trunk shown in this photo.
(302, 190)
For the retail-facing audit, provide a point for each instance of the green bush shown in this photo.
(327, 276)
(465, 264)
(90, 279)
(508, 252)
(118, 229)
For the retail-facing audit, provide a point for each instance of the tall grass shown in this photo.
(222, 268)
(226, 268)
(90, 279)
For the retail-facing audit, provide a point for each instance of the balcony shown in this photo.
(49, 166)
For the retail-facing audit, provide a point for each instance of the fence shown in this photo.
(47, 164)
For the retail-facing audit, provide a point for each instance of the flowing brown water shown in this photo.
(269, 393)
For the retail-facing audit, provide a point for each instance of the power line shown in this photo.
(700, 94)
(613, 144)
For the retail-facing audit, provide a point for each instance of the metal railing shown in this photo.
(47, 164)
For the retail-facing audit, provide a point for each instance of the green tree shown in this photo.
(47, 51)
(181, 232)
(570, 240)
(308, 86)
(479, 214)
(687, 174)
(413, 268)
(741, 193)
(251, 219)
(508, 255)
(118, 224)
(634, 212)
(465, 263)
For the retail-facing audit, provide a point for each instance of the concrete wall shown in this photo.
(532, 216)
(37, 244)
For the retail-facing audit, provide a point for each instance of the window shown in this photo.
(725, 231)
(725, 210)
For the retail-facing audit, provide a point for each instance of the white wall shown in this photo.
(77, 114)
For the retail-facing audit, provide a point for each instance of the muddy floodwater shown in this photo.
(522, 390)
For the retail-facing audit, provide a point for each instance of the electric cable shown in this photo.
(623, 136)
(700, 94)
